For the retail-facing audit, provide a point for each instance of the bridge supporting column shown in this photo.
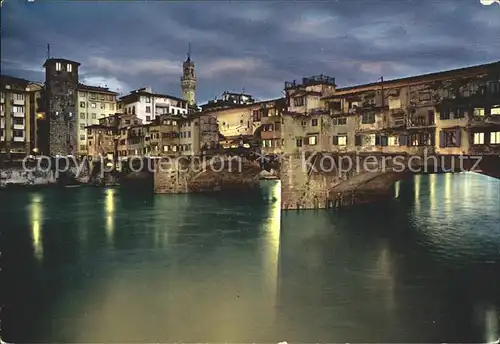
(302, 188)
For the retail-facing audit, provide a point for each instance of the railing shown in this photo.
(19, 139)
(18, 101)
(420, 122)
(18, 114)
(18, 126)
(312, 80)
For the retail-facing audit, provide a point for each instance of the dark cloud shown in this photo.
(254, 46)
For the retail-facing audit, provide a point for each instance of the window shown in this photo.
(148, 109)
(495, 111)
(148, 99)
(340, 140)
(18, 96)
(58, 66)
(421, 139)
(340, 121)
(82, 137)
(82, 116)
(93, 105)
(103, 97)
(103, 115)
(369, 140)
(479, 112)
(424, 96)
(314, 122)
(174, 123)
(368, 118)
(393, 141)
(148, 118)
(69, 67)
(17, 108)
(267, 143)
(312, 140)
(81, 94)
(103, 106)
(303, 123)
(495, 138)
(460, 112)
(189, 134)
(18, 133)
(478, 138)
(494, 87)
(450, 138)
(94, 116)
(299, 101)
(299, 142)
(82, 126)
(92, 95)
(83, 147)
(19, 121)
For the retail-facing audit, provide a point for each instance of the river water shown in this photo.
(87, 265)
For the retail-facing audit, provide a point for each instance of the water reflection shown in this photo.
(109, 205)
(36, 218)
(193, 268)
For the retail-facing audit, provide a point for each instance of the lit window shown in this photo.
(92, 105)
(312, 140)
(495, 111)
(69, 67)
(393, 140)
(479, 138)
(479, 112)
(342, 140)
(495, 138)
(58, 66)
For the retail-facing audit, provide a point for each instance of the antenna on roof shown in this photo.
(48, 51)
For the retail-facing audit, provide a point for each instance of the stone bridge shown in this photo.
(316, 180)
(205, 174)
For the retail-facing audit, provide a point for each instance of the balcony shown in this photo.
(17, 101)
(19, 139)
(318, 111)
(2, 123)
(420, 122)
(18, 126)
(18, 114)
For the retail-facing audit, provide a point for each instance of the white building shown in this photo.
(147, 105)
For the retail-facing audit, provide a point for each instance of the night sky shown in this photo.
(253, 46)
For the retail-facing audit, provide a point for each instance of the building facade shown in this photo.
(16, 117)
(451, 112)
(94, 103)
(61, 87)
(147, 105)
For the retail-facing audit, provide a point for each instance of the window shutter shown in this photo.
(459, 137)
(442, 139)
(377, 140)
(403, 140)
(305, 141)
(384, 141)
(335, 140)
(357, 140)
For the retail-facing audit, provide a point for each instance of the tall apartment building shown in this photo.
(147, 105)
(16, 114)
(61, 87)
(94, 103)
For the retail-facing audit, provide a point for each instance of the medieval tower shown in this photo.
(188, 79)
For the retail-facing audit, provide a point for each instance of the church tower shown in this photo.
(188, 79)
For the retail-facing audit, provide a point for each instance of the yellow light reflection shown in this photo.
(448, 178)
(272, 227)
(417, 182)
(36, 218)
(110, 214)
(397, 189)
(491, 327)
(385, 275)
(432, 194)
